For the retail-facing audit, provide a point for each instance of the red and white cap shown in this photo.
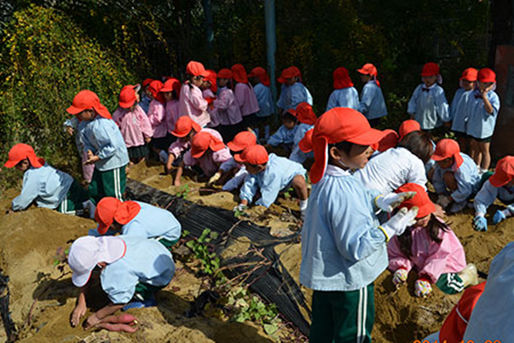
(184, 125)
(408, 126)
(255, 154)
(20, 152)
(242, 140)
(196, 69)
(202, 141)
(447, 148)
(110, 209)
(87, 100)
(503, 173)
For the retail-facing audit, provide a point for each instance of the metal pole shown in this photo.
(271, 44)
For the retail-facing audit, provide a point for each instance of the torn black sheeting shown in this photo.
(271, 281)
(10, 329)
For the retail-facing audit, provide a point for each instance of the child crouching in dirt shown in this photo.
(47, 186)
(430, 247)
(343, 245)
(269, 174)
(136, 218)
(132, 270)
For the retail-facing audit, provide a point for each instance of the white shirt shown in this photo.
(391, 169)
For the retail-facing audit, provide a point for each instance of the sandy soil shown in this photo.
(42, 296)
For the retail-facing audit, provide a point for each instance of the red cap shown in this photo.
(486, 75)
(430, 69)
(341, 78)
(86, 100)
(447, 148)
(286, 74)
(305, 114)
(155, 88)
(211, 77)
(184, 125)
(225, 73)
(469, 74)
(196, 69)
(239, 73)
(242, 140)
(368, 69)
(20, 152)
(338, 125)
(296, 72)
(171, 84)
(420, 200)
(261, 74)
(110, 209)
(255, 154)
(503, 173)
(305, 143)
(408, 126)
(389, 140)
(128, 96)
(146, 82)
(202, 141)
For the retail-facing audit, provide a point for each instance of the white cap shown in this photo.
(86, 252)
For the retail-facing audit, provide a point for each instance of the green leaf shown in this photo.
(270, 329)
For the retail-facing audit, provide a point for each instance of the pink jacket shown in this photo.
(180, 145)
(134, 125)
(429, 258)
(227, 108)
(157, 117)
(193, 104)
(246, 99)
(210, 161)
(172, 114)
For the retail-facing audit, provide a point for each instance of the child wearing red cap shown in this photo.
(372, 103)
(103, 144)
(145, 98)
(191, 101)
(170, 92)
(134, 124)
(343, 245)
(44, 185)
(132, 270)
(207, 151)
(157, 117)
(428, 105)
(261, 87)
(344, 94)
(431, 248)
(458, 112)
(292, 91)
(500, 185)
(226, 108)
(284, 136)
(137, 219)
(209, 87)
(230, 169)
(306, 118)
(73, 126)
(269, 174)
(483, 109)
(245, 95)
(455, 176)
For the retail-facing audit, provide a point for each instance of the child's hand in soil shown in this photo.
(400, 276)
(78, 312)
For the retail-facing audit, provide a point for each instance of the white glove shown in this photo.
(399, 222)
(214, 178)
(400, 276)
(388, 202)
(444, 200)
(240, 208)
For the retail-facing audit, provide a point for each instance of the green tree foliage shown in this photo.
(44, 61)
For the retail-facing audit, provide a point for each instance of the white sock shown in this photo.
(303, 204)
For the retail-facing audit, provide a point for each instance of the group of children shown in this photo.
(368, 209)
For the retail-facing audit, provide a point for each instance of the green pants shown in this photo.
(167, 243)
(450, 283)
(108, 183)
(73, 200)
(145, 291)
(340, 317)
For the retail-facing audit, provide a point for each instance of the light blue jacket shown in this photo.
(458, 110)
(488, 193)
(493, 312)
(372, 103)
(344, 97)
(283, 136)
(291, 96)
(466, 175)
(297, 155)
(145, 260)
(342, 247)
(481, 124)
(103, 137)
(45, 185)
(265, 100)
(153, 222)
(278, 174)
(429, 108)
